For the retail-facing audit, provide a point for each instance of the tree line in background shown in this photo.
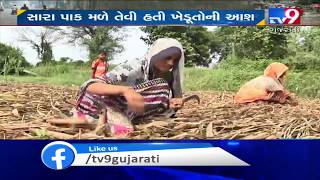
(95, 39)
(243, 42)
(307, 2)
(300, 50)
(236, 44)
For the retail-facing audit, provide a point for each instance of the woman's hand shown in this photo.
(176, 103)
(134, 99)
(292, 99)
(277, 96)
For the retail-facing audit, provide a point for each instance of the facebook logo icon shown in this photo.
(58, 155)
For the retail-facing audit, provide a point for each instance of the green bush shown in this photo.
(303, 61)
(11, 60)
(51, 70)
(245, 64)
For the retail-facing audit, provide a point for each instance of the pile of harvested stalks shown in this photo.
(25, 107)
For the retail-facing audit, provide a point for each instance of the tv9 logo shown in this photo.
(285, 16)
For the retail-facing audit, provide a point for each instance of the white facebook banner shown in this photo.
(213, 156)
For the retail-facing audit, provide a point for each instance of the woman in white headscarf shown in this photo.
(133, 90)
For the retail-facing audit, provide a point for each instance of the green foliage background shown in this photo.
(245, 53)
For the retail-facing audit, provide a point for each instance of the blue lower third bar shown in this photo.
(140, 17)
(239, 159)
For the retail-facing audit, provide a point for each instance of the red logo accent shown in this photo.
(292, 15)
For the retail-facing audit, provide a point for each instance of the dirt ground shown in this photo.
(25, 107)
